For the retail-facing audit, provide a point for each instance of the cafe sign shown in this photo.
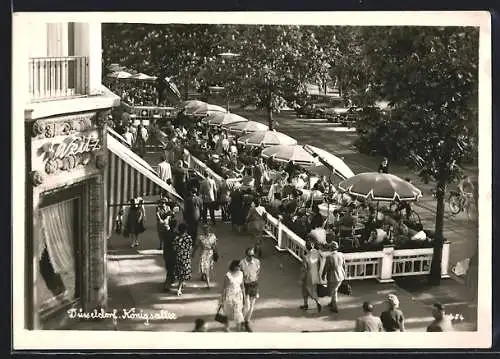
(74, 145)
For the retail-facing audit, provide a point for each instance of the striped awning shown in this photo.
(129, 176)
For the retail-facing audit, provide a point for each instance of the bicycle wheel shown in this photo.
(454, 203)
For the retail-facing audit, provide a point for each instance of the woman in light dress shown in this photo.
(310, 276)
(232, 298)
(207, 242)
(256, 224)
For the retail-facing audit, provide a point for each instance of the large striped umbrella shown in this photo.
(286, 153)
(267, 138)
(380, 187)
(323, 158)
(208, 109)
(221, 119)
(143, 77)
(120, 75)
(246, 127)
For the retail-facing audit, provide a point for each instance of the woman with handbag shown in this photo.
(310, 278)
(207, 242)
(232, 298)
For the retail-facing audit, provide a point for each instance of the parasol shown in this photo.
(143, 77)
(325, 160)
(286, 153)
(246, 127)
(267, 138)
(221, 119)
(207, 110)
(120, 75)
(380, 187)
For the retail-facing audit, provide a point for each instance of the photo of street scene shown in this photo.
(192, 177)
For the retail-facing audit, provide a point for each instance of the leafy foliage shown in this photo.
(430, 78)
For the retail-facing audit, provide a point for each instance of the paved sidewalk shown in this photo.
(136, 278)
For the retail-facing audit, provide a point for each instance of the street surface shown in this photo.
(136, 280)
(135, 276)
(459, 230)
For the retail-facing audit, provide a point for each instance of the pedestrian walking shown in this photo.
(180, 178)
(334, 272)
(384, 166)
(224, 198)
(232, 298)
(368, 322)
(200, 325)
(208, 243)
(134, 225)
(255, 224)
(183, 247)
(442, 322)
(128, 136)
(208, 192)
(250, 266)
(236, 209)
(169, 255)
(393, 319)
(164, 170)
(192, 212)
(163, 216)
(310, 276)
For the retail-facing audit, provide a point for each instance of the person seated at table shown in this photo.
(293, 203)
(419, 234)
(288, 188)
(377, 236)
(333, 219)
(316, 219)
(348, 222)
(276, 202)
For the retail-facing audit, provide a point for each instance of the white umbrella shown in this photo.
(286, 153)
(144, 77)
(207, 110)
(339, 166)
(246, 127)
(221, 119)
(120, 75)
(267, 138)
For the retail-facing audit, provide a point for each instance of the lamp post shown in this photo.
(228, 56)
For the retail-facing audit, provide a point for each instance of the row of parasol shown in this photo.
(121, 73)
(283, 148)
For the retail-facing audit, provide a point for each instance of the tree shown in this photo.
(430, 77)
(275, 63)
(178, 51)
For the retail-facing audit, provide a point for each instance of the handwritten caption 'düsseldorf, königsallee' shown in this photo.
(122, 314)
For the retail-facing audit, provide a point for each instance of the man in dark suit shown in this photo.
(334, 273)
(192, 213)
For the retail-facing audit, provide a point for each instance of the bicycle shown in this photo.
(461, 202)
(411, 217)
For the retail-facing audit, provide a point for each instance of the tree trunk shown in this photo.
(186, 89)
(435, 273)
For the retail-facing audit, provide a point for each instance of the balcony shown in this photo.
(52, 78)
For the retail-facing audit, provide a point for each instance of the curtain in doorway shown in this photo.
(58, 234)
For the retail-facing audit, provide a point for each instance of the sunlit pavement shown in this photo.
(136, 278)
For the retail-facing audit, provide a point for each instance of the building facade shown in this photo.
(66, 115)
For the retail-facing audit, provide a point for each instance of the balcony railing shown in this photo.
(58, 77)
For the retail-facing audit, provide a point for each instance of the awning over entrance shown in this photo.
(130, 176)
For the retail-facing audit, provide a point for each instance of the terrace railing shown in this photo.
(58, 77)
(383, 265)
